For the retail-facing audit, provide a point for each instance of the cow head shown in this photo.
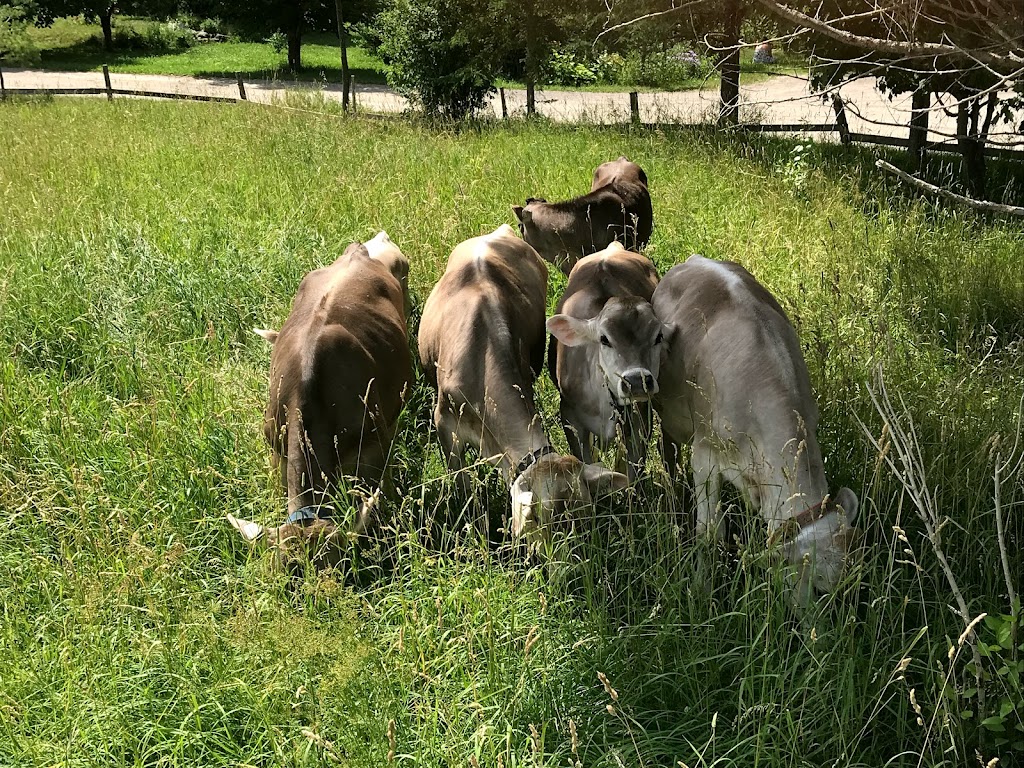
(622, 170)
(537, 229)
(319, 542)
(630, 342)
(387, 253)
(820, 550)
(549, 489)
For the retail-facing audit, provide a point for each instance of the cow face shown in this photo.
(821, 549)
(629, 341)
(551, 488)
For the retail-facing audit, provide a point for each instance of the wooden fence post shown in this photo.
(241, 87)
(531, 98)
(3, 88)
(504, 104)
(106, 80)
(634, 107)
(842, 124)
(352, 85)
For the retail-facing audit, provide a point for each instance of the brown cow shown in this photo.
(606, 351)
(481, 343)
(618, 207)
(734, 384)
(338, 375)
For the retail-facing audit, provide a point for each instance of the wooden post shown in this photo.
(352, 85)
(504, 105)
(634, 107)
(106, 80)
(922, 101)
(241, 87)
(3, 88)
(842, 124)
(531, 98)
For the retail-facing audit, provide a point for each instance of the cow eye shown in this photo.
(604, 341)
(659, 338)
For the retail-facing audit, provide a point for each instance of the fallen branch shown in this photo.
(924, 186)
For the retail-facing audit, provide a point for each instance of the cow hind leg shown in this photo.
(707, 482)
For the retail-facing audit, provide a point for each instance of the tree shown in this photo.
(103, 11)
(968, 49)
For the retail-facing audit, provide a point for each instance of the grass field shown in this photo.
(71, 44)
(139, 243)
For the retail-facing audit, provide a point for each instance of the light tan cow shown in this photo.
(734, 384)
(339, 371)
(481, 342)
(606, 352)
(617, 208)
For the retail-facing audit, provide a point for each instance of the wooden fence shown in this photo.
(841, 125)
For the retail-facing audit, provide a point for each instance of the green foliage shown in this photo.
(442, 54)
(139, 630)
(662, 69)
(1002, 675)
(16, 46)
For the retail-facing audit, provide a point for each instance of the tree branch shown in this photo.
(980, 205)
(827, 27)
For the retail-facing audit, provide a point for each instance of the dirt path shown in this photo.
(780, 99)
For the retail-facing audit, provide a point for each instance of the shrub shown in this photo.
(15, 45)
(442, 54)
(663, 68)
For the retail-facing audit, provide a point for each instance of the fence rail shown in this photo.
(840, 126)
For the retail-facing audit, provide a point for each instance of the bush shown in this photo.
(442, 54)
(16, 46)
(662, 69)
(154, 37)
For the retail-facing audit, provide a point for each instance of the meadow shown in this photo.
(139, 244)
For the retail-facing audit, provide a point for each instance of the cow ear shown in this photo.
(250, 531)
(600, 480)
(571, 331)
(269, 335)
(847, 500)
(519, 212)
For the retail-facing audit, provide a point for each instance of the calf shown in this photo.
(481, 342)
(735, 385)
(606, 352)
(618, 207)
(339, 371)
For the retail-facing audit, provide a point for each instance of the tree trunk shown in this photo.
(106, 15)
(343, 42)
(532, 63)
(295, 47)
(729, 106)
(972, 146)
(922, 101)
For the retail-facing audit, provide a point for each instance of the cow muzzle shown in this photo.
(637, 385)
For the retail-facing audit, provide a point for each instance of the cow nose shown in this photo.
(637, 384)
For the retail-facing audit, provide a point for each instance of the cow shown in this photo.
(735, 386)
(617, 208)
(606, 351)
(339, 371)
(481, 343)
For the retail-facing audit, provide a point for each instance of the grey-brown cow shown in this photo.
(618, 207)
(339, 371)
(606, 352)
(481, 342)
(734, 384)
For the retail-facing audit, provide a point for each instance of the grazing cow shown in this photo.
(606, 352)
(618, 207)
(735, 385)
(339, 370)
(481, 343)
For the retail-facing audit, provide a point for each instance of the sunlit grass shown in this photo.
(139, 243)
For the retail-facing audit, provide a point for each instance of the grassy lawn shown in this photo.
(73, 45)
(140, 243)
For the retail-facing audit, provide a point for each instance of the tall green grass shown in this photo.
(138, 244)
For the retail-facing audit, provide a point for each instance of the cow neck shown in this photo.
(532, 458)
(793, 526)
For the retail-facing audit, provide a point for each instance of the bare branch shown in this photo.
(827, 27)
(653, 15)
(981, 205)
